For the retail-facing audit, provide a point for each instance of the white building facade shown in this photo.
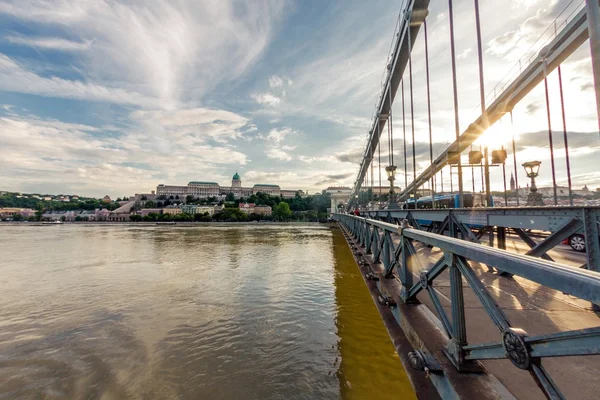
(204, 189)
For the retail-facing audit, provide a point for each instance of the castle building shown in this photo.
(204, 189)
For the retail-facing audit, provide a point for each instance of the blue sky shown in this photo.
(114, 97)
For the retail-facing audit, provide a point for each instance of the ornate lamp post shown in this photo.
(533, 197)
(390, 170)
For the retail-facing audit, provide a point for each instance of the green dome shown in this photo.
(236, 176)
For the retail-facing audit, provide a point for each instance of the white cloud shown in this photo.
(165, 50)
(278, 153)
(526, 40)
(265, 176)
(52, 43)
(275, 82)
(85, 159)
(277, 135)
(14, 78)
(266, 98)
(464, 54)
(194, 125)
(276, 149)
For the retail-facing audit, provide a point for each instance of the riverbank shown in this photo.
(166, 223)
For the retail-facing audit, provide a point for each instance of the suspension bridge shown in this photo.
(479, 301)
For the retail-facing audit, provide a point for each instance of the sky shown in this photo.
(115, 97)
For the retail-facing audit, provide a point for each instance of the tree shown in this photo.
(151, 217)
(230, 197)
(78, 218)
(17, 217)
(231, 215)
(63, 218)
(282, 211)
(135, 217)
(189, 199)
(323, 216)
(118, 199)
(254, 217)
(150, 204)
(203, 217)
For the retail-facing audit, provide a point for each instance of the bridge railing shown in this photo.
(561, 222)
(394, 247)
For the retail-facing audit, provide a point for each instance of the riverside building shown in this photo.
(204, 189)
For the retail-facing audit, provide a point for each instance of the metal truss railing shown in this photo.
(394, 246)
(561, 222)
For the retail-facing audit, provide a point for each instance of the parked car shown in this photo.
(576, 241)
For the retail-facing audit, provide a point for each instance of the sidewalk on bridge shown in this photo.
(533, 308)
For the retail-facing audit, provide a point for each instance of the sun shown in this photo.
(496, 136)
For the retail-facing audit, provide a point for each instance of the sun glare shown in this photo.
(496, 136)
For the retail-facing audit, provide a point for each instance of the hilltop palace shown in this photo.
(201, 189)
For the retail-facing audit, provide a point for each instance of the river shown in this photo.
(167, 312)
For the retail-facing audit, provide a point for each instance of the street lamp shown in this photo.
(390, 170)
(532, 169)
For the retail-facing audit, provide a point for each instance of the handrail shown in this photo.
(393, 246)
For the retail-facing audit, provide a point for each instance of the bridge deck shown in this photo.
(535, 309)
(529, 306)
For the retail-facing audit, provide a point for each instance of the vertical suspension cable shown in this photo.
(389, 141)
(564, 121)
(514, 151)
(429, 113)
(391, 131)
(404, 138)
(482, 101)
(372, 181)
(366, 179)
(504, 171)
(472, 173)
(379, 163)
(389, 156)
(391, 127)
(456, 122)
(412, 116)
(550, 142)
(481, 169)
(504, 179)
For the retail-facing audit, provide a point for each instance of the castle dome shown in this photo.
(236, 176)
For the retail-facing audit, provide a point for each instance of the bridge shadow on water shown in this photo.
(369, 367)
